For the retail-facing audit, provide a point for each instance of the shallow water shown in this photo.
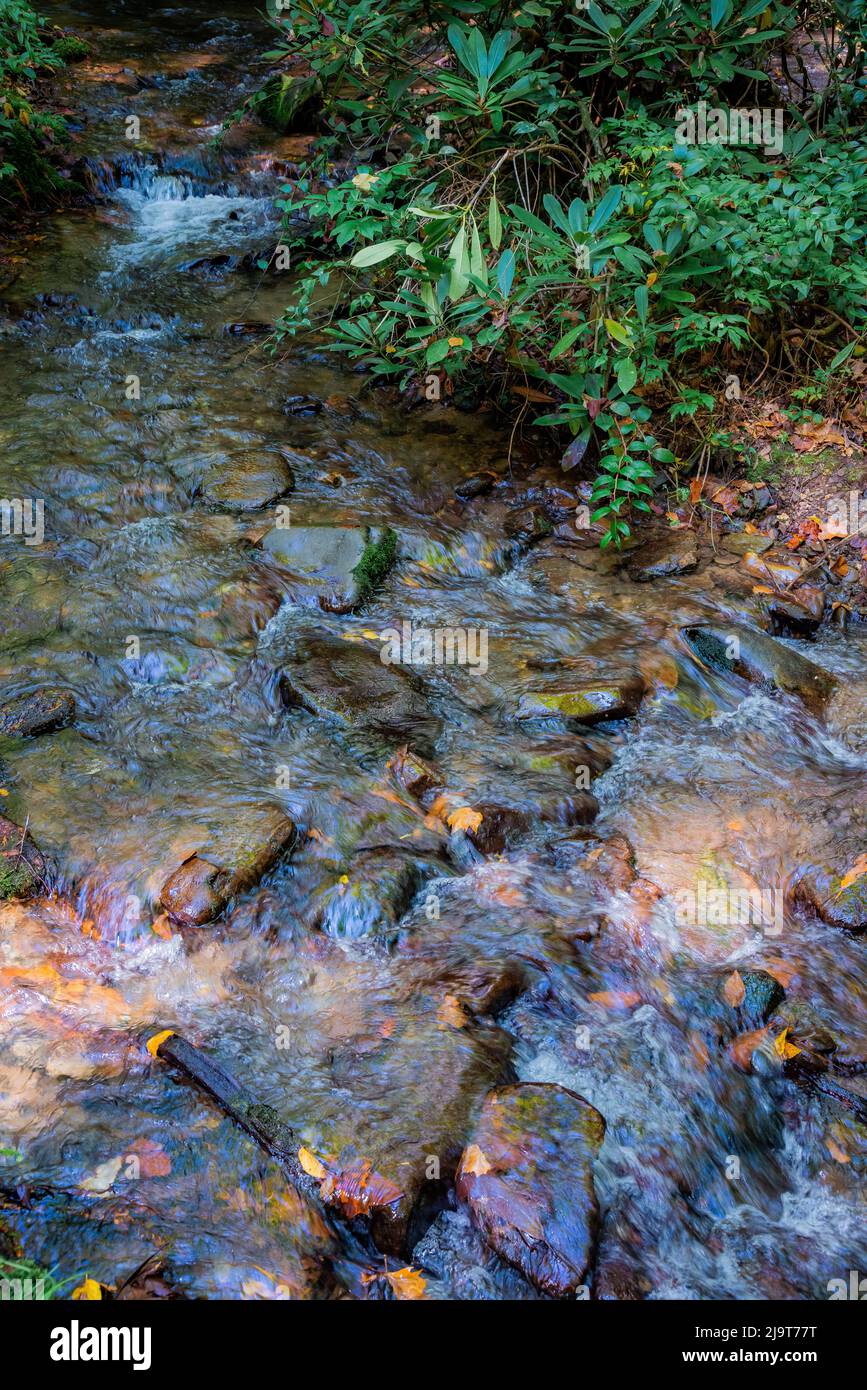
(158, 611)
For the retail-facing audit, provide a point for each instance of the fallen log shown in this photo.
(261, 1122)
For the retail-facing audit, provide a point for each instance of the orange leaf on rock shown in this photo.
(474, 1161)
(858, 870)
(783, 1048)
(616, 998)
(154, 1043)
(743, 1047)
(734, 989)
(451, 1013)
(836, 1152)
(406, 1283)
(465, 818)
(161, 927)
(311, 1164)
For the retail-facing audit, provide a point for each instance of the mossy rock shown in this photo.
(71, 48)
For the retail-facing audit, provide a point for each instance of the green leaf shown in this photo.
(380, 251)
(459, 257)
(618, 332)
(606, 208)
(627, 374)
(506, 273)
(495, 223)
(478, 265)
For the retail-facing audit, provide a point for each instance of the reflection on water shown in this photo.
(333, 990)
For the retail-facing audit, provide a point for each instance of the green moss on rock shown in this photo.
(377, 559)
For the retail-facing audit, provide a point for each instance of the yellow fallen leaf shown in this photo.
(465, 818)
(406, 1283)
(3, 791)
(161, 926)
(858, 870)
(836, 1152)
(154, 1043)
(451, 1013)
(89, 1290)
(474, 1161)
(783, 1048)
(311, 1165)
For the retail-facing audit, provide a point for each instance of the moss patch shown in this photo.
(16, 880)
(71, 48)
(376, 561)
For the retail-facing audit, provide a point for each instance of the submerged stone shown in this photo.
(202, 887)
(527, 1178)
(37, 713)
(249, 481)
(349, 683)
(732, 648)
(585, 702)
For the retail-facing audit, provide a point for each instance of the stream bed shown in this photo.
(389, 943)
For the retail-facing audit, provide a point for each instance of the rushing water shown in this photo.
(152, 604)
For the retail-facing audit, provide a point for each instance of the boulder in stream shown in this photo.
(733, 648)
(584, 702)
(202, 887)
(248, 481)
(339, 566)
(349, 683)
(527, 1177)
(675, 553)
(22, 867)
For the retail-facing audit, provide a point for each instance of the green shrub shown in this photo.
(530, 206)
(26, 133)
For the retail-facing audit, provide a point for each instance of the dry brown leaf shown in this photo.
(451, 1013)
(357, 1189)
(836, 1152)
(616, 998)
(743, 1047)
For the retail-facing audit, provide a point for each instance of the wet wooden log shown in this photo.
(261, 1122)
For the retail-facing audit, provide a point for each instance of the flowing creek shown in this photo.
(389, 971)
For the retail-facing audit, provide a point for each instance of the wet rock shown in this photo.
(800, 610)
(821, 889)
(762, 661)
(367, 900)
(249, 328)
(527, 526)
(476, 485)
(348, 683)
(340, 566)
(202, 887)
(500, 828)
(302, 405)
(743, 543)
(249, 481)
(527, 1178)
(38, 713)
(676, 553)
(584, 702)
(23, 869)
